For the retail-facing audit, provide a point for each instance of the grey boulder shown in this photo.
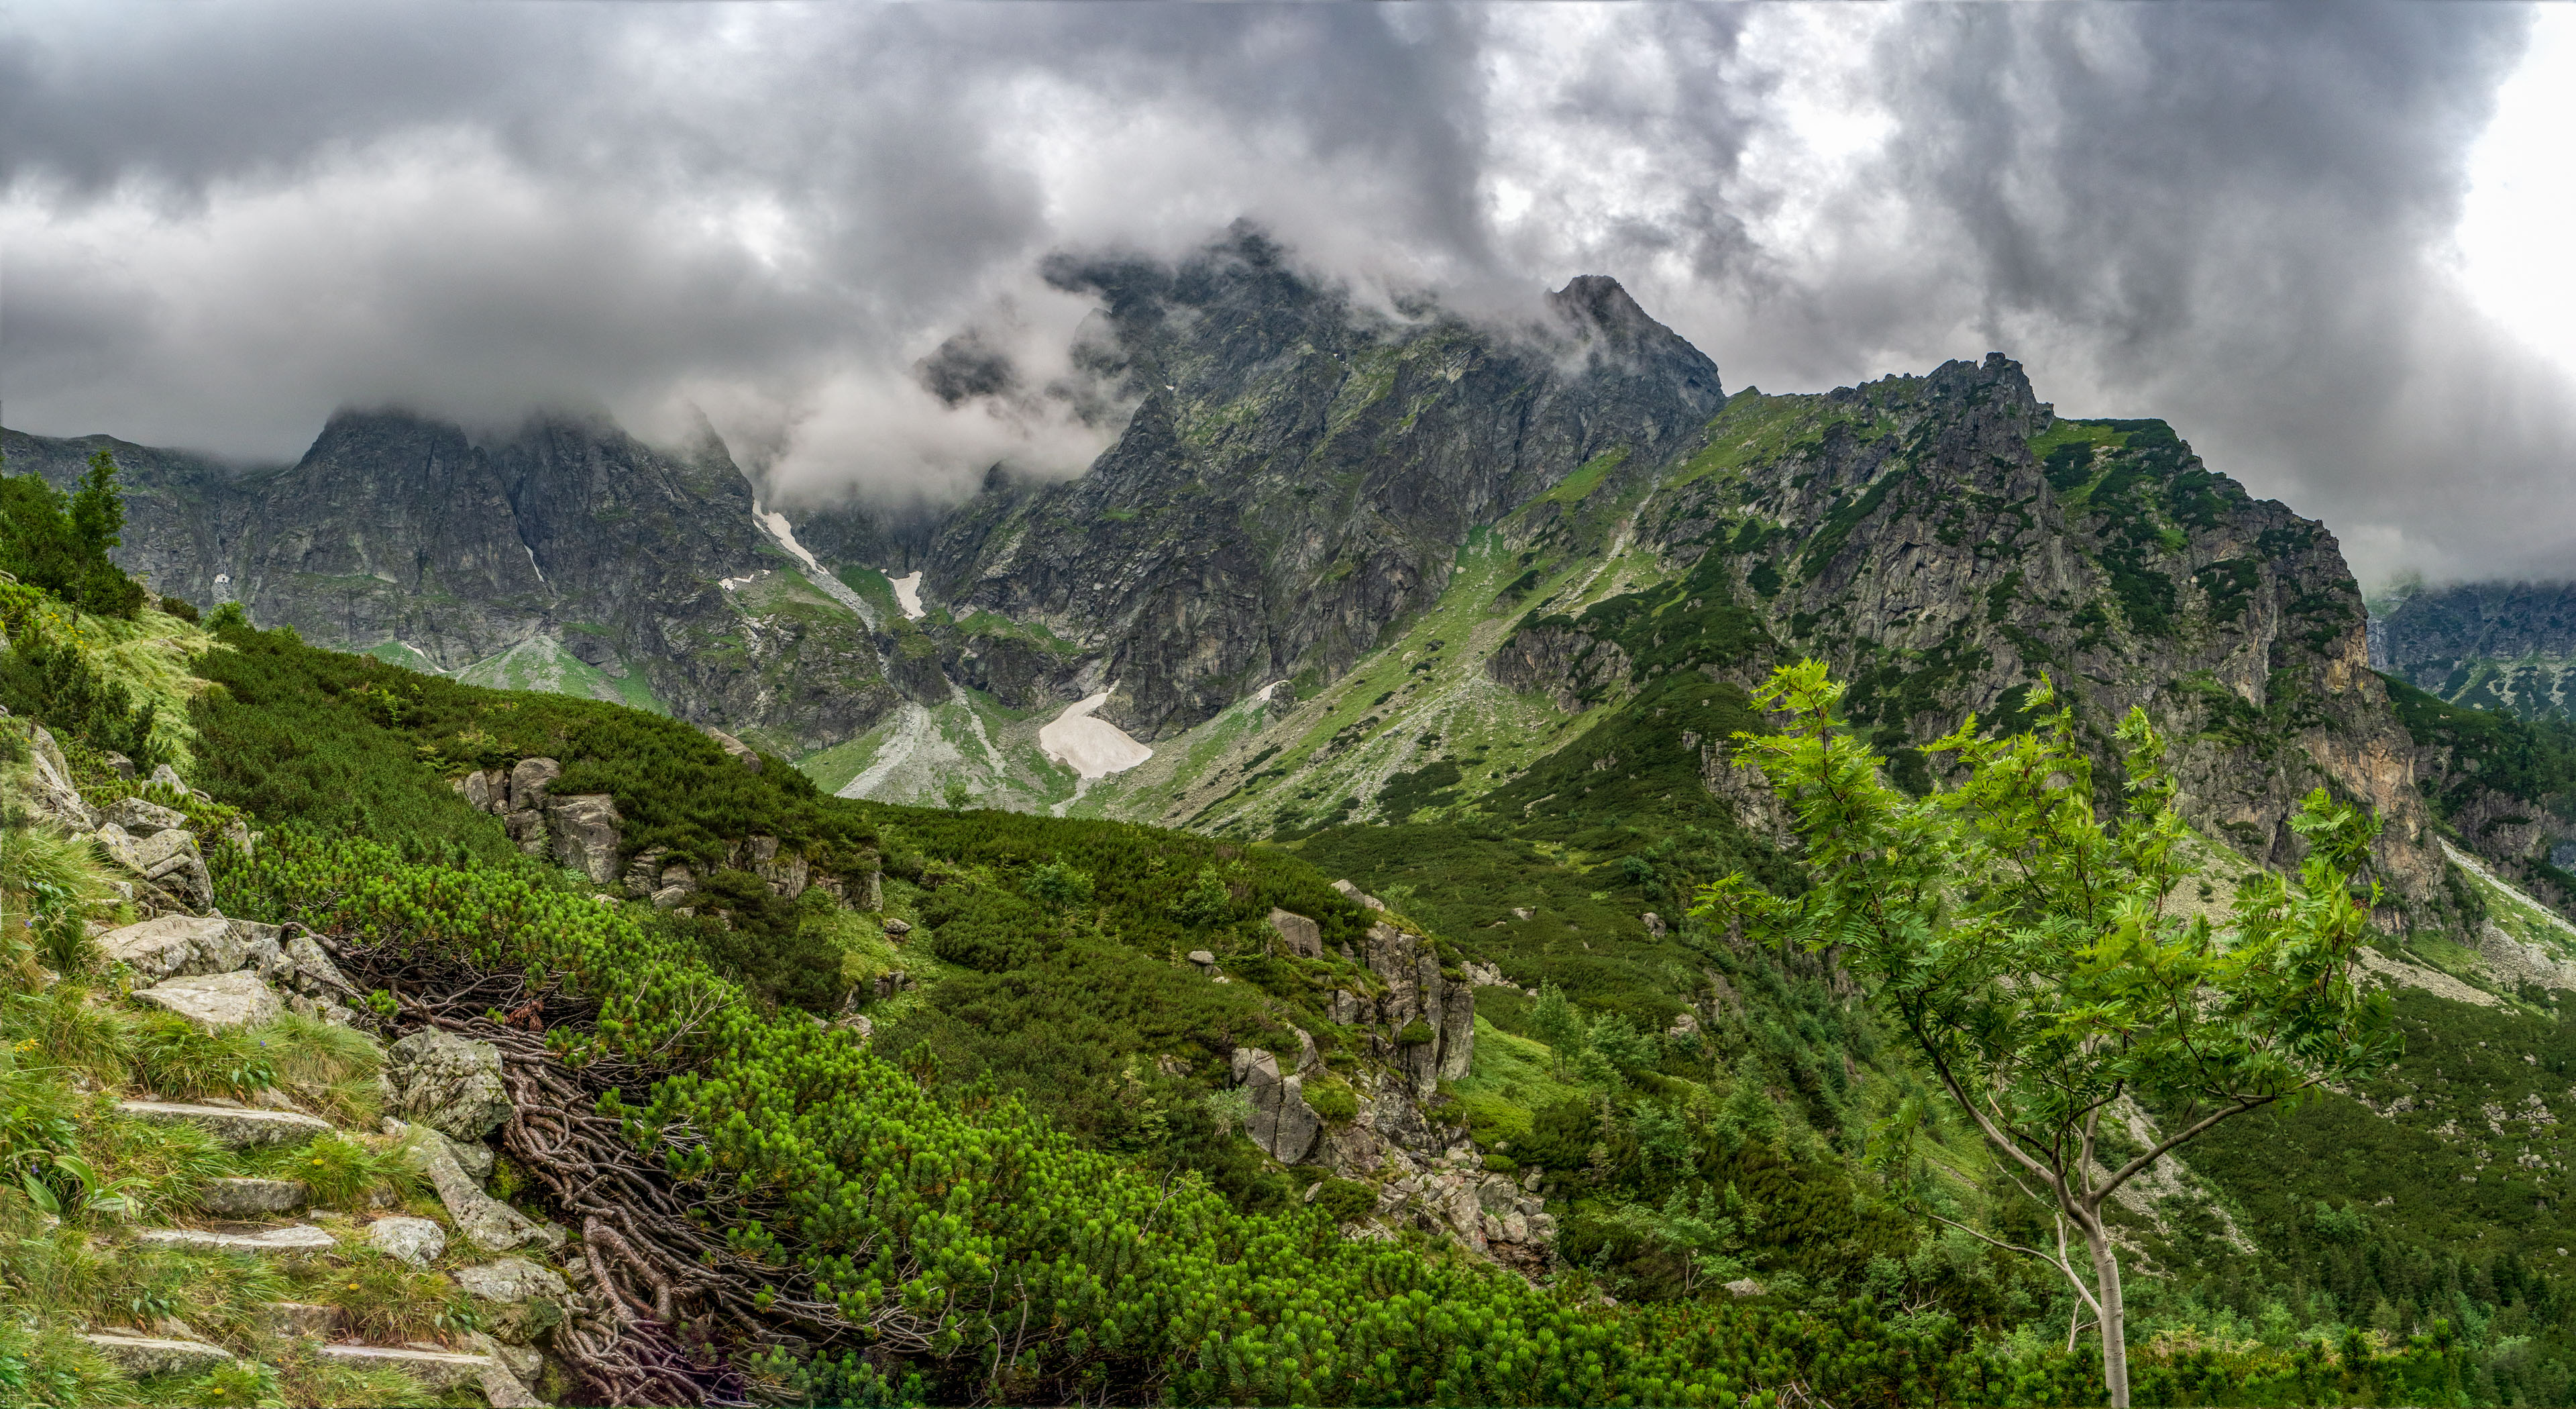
(449, 1083)
(583, 831)
(1303, 937)
(414, 1240)
(525, 1300)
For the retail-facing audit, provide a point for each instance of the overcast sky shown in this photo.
(2327, 242)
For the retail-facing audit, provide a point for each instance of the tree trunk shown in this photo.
(2115, 1328)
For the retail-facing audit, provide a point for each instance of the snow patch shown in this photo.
(1090, 747)
(733, 584)
(1262, 695)
(907, 593)
(776, 526)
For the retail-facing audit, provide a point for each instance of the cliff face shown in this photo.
(567, 554)
(1300, 471)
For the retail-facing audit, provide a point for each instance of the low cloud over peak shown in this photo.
(827, 228)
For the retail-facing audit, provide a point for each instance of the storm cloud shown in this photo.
(823, 226)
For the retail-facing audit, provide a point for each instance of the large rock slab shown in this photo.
(141, 1356)
(583, 830)
(174, 944)
(217, 1002)
(290, 1240)
(449, 1083)
(485, 1221)
(232, 1127)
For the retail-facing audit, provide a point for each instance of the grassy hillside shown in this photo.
(1032, 1181)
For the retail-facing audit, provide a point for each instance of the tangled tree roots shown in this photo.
(677, 1305)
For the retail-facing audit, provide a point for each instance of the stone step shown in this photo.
(298, 1320)
(295, 1238)
(152, 1355)
(438, 1370)
(233, 1127)
(245, 1198)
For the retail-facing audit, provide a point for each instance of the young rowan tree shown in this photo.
(2033, 954)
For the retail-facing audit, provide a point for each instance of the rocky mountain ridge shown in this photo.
(565, 555)
(1343, 559)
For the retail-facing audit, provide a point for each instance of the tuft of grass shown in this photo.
(62, 1028)
(305, 1379)
(387, 1301)
(175, 1057)
(161, 1169)
(332, 1067)
(342, 1171)
(49, 885)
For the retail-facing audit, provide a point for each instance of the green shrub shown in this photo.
(45, 673)
(1345, 1200)
(1331, 1098)
(765, 942)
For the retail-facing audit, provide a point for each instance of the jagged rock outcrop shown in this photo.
(1422, 1023)
(1282, 1124)
(53, 797)
(582, 833)
(1298, 934)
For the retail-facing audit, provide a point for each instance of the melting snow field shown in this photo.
(907, 595)
(1091, 747)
